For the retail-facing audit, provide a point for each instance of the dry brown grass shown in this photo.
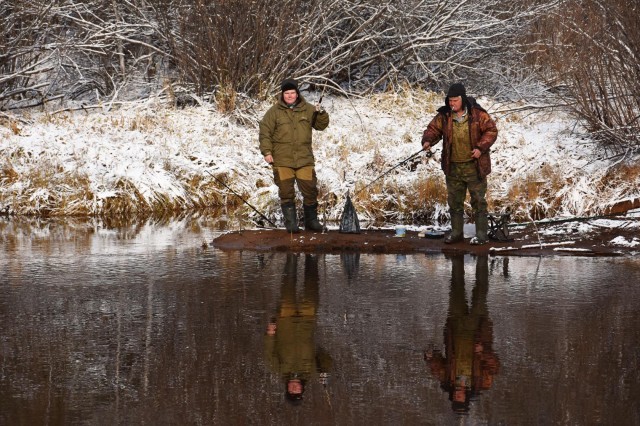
(13, 125)
(128, 201)
(387, 201)
(430, 197)
(143, 123)
(208, 193)
(52, 192)
(226, 98)
(622, 173)
(407, 101)
(536, 194)
(8, 175)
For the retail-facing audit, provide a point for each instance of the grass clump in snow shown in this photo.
(537, 195)
(430, 204)
(411, 103)
(48, 191)
(126, 201)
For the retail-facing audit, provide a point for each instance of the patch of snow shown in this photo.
(166, 154)
(562, 243)
(623, 242)
(498, 249)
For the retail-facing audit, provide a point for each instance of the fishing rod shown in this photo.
(243, 200)
(428, 153)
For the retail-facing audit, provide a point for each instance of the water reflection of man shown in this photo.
(470, 362)
(290, 346)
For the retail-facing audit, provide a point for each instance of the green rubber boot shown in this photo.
(457, 224)
(482, 227)
(290, 217)
(311, 218)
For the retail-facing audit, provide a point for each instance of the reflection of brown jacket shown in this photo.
(482, 131)
(468, 334)
(285, 133)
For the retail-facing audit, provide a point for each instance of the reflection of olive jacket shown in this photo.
(482, 132)
(293, 349)
(285, 133)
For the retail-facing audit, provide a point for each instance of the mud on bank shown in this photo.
(598, 238)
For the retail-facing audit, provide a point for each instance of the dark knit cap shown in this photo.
(289, 84)
(456, 89)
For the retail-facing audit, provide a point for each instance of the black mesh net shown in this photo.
(349, 223)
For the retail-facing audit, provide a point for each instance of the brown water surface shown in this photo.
(146, 325)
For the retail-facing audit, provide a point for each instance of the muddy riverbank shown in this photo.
(610, 237)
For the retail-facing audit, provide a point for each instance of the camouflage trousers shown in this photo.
(305, 177)
(463, 178)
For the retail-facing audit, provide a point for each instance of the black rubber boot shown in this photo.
(457, 224)
(311, 222)
(290, 217)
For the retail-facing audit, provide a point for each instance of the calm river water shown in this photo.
(145, 324)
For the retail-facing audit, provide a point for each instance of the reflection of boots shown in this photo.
(482, 225)
(290, 218)
(311, 218)
(457, 224)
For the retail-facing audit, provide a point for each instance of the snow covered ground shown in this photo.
(150, 157)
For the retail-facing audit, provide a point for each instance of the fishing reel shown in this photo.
(413, 165)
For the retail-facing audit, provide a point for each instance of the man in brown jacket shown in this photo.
(285, 143)
(468, 132)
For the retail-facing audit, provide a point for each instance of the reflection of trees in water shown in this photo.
(469, 362)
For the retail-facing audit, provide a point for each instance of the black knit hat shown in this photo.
(289, 84)
(456, 89)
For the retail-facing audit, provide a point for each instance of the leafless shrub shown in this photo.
(75, 50)
(108, 50)
(589, 55)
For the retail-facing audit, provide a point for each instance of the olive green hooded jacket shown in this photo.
(285, 133)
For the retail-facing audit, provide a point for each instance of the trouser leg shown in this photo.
(308, 185)
(477, 191)
(285, 178)
(456, 193)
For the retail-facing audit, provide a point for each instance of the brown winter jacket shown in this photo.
(285, 133)
(482, 130)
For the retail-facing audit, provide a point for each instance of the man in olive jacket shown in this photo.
(285, 142)
(468, 132)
